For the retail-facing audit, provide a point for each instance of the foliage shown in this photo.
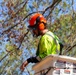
(65, 27)
(16, 41)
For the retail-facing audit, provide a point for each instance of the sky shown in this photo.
(1, 0)
(1, 17)
(74, 6)
(0, 10)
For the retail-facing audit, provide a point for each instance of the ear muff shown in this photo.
(41, 26)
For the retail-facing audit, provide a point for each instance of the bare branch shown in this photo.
(5, 67)
(18, 23)
(23, 38)
(20, 4)
(4, 57)
(16, 12)
(51, 6)
(22, 7)
(72, 5)
(69, 49)
(30, 14)
(10, 27)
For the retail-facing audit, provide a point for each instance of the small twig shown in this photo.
(69, 49)
(17, 48)
(5, 66)
(52, 5)
(23, 38)
(52, 8)
(4, 57)
(30, 14)
(16, 12)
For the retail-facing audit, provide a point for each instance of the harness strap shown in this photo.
(55, 39)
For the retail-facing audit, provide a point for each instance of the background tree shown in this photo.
(17, 42)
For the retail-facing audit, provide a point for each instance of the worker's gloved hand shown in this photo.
(23, 66)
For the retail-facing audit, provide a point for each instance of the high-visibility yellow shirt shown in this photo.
(48, 44)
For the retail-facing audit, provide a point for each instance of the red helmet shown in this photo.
(37, 18)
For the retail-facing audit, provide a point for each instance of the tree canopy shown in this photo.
(17, 42)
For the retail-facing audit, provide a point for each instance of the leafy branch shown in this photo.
(55, 2)
(21, 40)
(13, 14)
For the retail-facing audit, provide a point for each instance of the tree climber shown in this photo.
(49, 43)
